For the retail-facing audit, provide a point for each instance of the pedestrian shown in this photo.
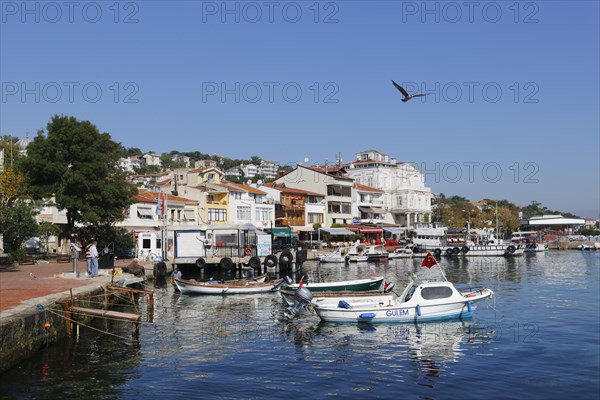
(94, 259)
(176, 274)
(88, 259)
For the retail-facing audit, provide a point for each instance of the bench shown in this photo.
(63, 258)
(26, 259)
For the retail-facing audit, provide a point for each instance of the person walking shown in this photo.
(94, 259)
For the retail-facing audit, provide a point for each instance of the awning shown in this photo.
(303, 228)
(337, 231)
(395, 231)
(366, 209)
(282, 232)
(370, 230)
(377, 210)
(145, 212)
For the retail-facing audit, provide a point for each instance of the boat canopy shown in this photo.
(337, 231)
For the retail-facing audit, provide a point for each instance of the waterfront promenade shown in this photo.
(21, 283)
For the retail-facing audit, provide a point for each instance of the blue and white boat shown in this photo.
(420, 301)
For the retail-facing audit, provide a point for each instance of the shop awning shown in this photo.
(370, 230)
(377, 210)
(282, 232)
(366, 209)
(302, 228)
(337, 231)
(395, 231)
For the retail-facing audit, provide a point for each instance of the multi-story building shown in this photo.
(129, 164)
(406, 199)
(151, 159)
(332, 185)
(367, 204)
(267, 169)
(249, 170)
(182, 160)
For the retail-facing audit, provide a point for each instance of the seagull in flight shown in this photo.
(407, 96)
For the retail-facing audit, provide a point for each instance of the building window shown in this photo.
(244, 213)
(217, 214)
(145, 213)
(314, 218)
(339, 190)
(336, 207)
(264, 214)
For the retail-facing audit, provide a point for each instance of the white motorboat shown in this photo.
(420, 301)
(405, 252)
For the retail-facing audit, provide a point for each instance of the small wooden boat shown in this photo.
(240, 286)
(420, 301)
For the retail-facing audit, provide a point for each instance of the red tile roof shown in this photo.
(366, 188)
(145, 196)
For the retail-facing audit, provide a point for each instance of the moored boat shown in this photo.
(377, 255)
(420, 301)
(241, 286)
(357, 285)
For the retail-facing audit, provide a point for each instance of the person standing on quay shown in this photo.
(88, 259)
(94, 259)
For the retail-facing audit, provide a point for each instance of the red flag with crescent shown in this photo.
(429, 261)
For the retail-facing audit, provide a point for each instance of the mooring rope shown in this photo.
(90, 327)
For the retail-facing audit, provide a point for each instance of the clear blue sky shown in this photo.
(162, 77)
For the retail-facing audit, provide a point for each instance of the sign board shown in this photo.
(263, 245)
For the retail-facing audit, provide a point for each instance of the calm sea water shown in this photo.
(540, 340)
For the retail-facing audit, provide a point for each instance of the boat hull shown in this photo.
(205, 288)
(359, 285)
(334, 298)
(394, 311)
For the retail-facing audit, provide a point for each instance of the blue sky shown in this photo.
(512, 111)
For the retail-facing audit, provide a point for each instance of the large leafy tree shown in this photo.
(77, 165)
(17, 216)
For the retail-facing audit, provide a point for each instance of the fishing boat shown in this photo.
(336, 256)
(344, 255)
(357, 285)
(405, 252)
(239, 286)
(333, 298)
(377, 254)
(532, 241)
(420, 301)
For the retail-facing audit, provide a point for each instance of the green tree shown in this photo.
(45, 230)
(17, 223)
(77, 165)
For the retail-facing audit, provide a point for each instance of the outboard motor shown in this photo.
(283, 284)
(302, 299)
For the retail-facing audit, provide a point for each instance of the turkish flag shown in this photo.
(429, 261)
(301, 282)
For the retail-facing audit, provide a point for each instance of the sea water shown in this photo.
(539, 338)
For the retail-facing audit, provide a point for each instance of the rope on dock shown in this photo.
(88, 326)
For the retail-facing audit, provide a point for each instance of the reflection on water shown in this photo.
(242, 346)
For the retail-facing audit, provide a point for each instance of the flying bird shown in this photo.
(407, 96)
